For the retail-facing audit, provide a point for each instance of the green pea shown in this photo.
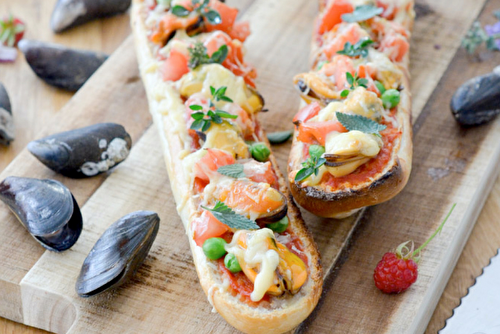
(280, 226)
(231, 263)
(390, 98)
(316, 151)
(380, 87)
(214, 248)
(260, 152)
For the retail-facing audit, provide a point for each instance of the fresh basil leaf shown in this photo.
(234, 170)
(227, 216)
(180, 11)
(279, 137)
(362, 13)
(359, 123)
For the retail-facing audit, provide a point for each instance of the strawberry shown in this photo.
(397, 271)
(11, 31)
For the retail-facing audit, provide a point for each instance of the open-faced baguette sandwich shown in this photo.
(352, 143)
(255, 259)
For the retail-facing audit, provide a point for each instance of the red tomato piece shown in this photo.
(333, 15)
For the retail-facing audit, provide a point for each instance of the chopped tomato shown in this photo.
(395, 46)
(175, 66)
(261, 172)
(207, 226)
(338, 68)
(214, 159)
(390, 10)
(341, 34)
(234, 61)
(333, 15)
(195, 144)
(307, 112)
(316, 132)
(228, 15)
(169, 24)
(368, 72)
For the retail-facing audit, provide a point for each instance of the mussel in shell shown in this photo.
(60, 66)
(71, 13)
(46, 208)
(6, 121)
(477, 101)
(83, 152)
(118, 253)
(313, 87)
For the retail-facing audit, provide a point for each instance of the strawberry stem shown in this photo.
(416, 252)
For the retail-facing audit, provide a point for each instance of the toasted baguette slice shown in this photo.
(344, 201)
(282, 313)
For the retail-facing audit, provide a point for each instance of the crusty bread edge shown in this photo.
(238, 314)
(385, 186)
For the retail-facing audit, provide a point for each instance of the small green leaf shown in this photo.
(197, 124)
(213, 17)
(363, 82)
(349, 78)
(344, 93)
(212, 90)
(206, 125)
(234, 170)
(304, 173)
(359, 123)
(220, 55)
(316, 151)
(180, 11)
(279, 137)
(195, 107)
(311, 166)
(224, 114)
(362, 13)
(358, 49)
(198, 115)
(227, 216)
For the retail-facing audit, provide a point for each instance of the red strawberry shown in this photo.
(396, 272)
(11, 31)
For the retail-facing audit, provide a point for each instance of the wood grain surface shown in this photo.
(437, 34)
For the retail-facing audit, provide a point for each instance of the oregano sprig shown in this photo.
(354, 81)
(202, 8)
(203, 121)
(360, 48)
(311, 166)
(198, 55)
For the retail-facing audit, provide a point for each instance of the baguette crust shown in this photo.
(384, 186)
(293, 309)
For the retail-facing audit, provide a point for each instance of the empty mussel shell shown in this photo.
(60, 66)
(71, 13)
(46, 208)
(83, 152)
(118, 253)
(6, 121)
(477, 101)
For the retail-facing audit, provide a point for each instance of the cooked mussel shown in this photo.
(290, 273)
(83, 152)
(118, 253)
(6, 120)
(477, 101)
(313, 87)
(46, 208)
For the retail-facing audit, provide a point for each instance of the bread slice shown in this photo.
(282, 313)
(381, 187)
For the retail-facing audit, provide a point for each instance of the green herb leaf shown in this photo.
(197, 115)
(350, 78)
(213, 17)
(279, 137)
(198, 55)
(219, 94)
(220, 55)
(180, 11)
(311, 166)
(227, 216)
(380, 87)
(195, 107)
(345, 93)
(362, 13)
(363, 82)
(234, 170)
(359, 123)
(358, 49)
(225, 114)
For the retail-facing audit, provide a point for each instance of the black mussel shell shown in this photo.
(83, 152)
(477, 101)
(46, 208)
(6, 120)
(276, 215)
(71, 13)
(60, 66)
(118, 253)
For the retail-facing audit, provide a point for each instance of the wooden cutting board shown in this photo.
(450, 165)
